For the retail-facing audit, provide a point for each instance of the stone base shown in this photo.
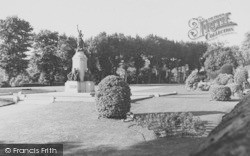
(79, 87)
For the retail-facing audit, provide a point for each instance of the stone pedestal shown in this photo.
(79, 87)
(90, 86)
(79, 62)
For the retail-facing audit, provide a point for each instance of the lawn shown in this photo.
(75, 124)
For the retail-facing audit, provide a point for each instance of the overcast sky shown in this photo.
(166, 18)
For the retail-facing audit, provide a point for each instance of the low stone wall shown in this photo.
(232, 136)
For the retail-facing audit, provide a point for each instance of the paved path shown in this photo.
(76, 125)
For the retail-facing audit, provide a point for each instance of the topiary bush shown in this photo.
(241, 76)
(113, 97)
(223, 79)
(220, 93)
(227, 69)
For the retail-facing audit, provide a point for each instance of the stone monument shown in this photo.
(76, 83)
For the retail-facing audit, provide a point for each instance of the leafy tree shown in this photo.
(193, 52)
(15, 40)
(65, 51)
(49, 64)
(218, 55)
(45, 59)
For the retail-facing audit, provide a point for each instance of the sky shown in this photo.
(165, 18)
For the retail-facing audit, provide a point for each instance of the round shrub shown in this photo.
(220, 93)
(241, 76)
(226, 69)
(113, 97)
(194, 78)
(223, 79)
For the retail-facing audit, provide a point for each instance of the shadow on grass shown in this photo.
(25, 90)
(6, 102)
(171, 146)
(195, 113)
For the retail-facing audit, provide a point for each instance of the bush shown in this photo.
(226, 69)
(171, 124)
(19, 80)
(194, 78)
(212, 74)
(113, 97)
(44, 79)
(204, 86)
(4, 84)
(220, 93)
(236, 89)
(241, 76)
(223, 79)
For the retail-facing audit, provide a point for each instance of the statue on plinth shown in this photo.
(79, 40)
(79, 77)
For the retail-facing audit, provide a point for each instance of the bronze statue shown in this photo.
(79, 40)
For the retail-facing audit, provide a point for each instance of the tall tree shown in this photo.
(45, 56)
(217, 55)
(15, 40)
(65, 50)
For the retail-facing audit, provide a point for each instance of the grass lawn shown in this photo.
(75, 124)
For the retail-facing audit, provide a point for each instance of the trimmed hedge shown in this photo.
(220, 93)
(113, 97)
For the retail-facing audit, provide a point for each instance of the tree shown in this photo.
(65, 51)
(15, 40)
(217, 55)
(138, 57)
(49, 64)
(45, 57)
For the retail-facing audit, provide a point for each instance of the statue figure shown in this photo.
(74, 76)
(79, 40)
